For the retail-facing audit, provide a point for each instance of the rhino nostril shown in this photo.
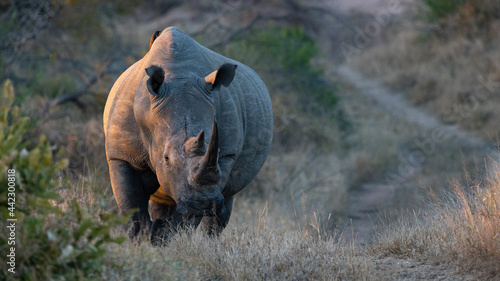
(222, 211)
(167, 161)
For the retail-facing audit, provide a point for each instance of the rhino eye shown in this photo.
(167, 160)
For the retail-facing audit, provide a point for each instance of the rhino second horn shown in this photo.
(200, 140)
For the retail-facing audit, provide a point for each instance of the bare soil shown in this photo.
(391, 268)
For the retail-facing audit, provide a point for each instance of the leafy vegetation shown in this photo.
(51, 241)
(442, 8)
(288, 53)
(475, 13)
(46, 44)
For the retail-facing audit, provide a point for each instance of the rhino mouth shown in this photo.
(198, 208)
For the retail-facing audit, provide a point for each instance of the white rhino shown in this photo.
(186, 129)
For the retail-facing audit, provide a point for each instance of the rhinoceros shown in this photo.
(186, 129)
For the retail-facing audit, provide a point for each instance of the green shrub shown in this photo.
(287, 53)
(473, 11)
(51, 242)
(441, 8)
(289, 47)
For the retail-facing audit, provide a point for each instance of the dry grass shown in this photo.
(451, 67)
(463, 229)
(255, 250)
(243, 254)
(301, 178)
(265, 240)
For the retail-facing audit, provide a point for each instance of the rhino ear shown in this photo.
(156, 78)
(222, 76)
(153, 38)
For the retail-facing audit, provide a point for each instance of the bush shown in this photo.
(468, 11)
(287, 53)
(442, 8)
(50, 242)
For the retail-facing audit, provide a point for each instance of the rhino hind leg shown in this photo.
(129, 194)
(214, 225)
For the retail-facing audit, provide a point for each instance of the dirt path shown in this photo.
(364, 207)
(397, 107)
(391, 268)
(362, 6)
(367, 202)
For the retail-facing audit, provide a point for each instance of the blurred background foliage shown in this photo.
(481, 11)
(287, 54)
(53, 47)
(441, 8)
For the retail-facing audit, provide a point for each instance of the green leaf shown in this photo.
(84, 226)
(34, 157)
(8, 93)
(78, 211)
(61, 164)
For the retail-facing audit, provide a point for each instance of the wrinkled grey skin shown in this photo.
(192, 121)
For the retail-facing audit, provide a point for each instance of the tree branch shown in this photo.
(75, 96)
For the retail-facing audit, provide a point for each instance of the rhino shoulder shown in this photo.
(114, 92)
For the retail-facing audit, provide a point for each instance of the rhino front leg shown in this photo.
(129, 194)
(214, 225)
(161, 228)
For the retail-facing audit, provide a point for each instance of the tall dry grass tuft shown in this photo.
(258, 249)
(464, 230)
(245, 254)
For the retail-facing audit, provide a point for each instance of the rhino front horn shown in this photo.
(207, 172)
(212, 155)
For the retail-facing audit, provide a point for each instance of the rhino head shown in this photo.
(177, 117)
